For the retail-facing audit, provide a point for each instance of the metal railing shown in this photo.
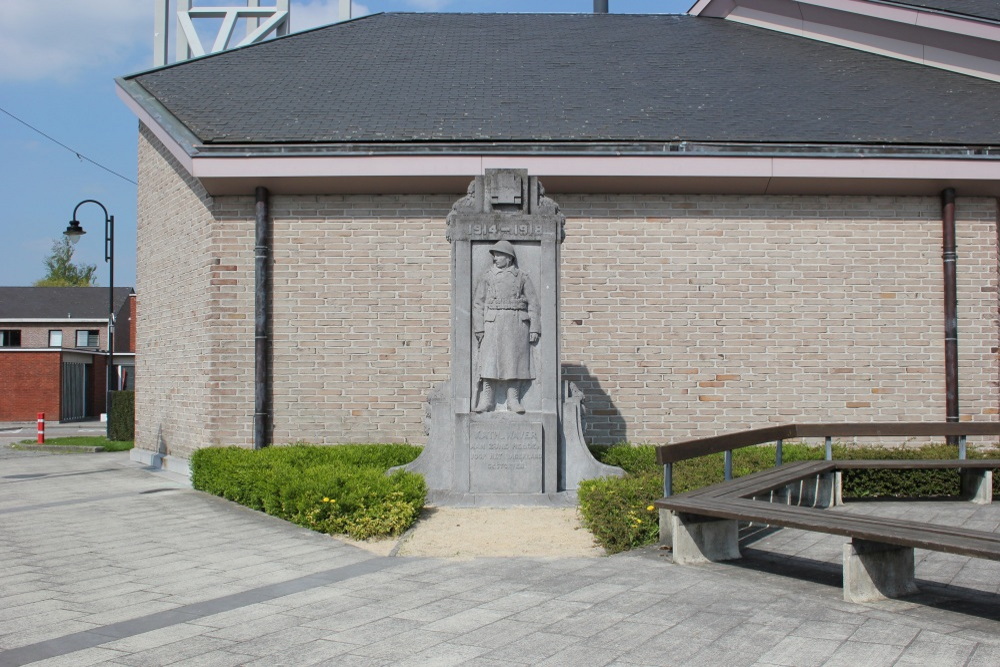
(667, 455)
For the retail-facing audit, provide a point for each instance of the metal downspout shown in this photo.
(261, 317)
(950, 257)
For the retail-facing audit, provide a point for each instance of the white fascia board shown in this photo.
(464, 165)
(597, 166)
(887, 168)
(333, 166)
(782, 13)
(913, 16)
(179, 153)
(867, 30)
(699, 7)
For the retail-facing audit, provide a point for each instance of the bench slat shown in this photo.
(917, 464)
(790, 473)
(878, 529)
(778, 476)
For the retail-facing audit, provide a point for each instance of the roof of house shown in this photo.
(425, 80)
(981, 9)
(56, 303)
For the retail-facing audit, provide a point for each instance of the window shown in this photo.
(55, 338)
(87, 338)
(10, 338)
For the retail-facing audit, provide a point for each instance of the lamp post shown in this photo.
(73, 232)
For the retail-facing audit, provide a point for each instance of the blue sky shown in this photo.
(58, 62)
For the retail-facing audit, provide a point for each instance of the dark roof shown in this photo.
(59, 302)
(551, 78)
(981, 9)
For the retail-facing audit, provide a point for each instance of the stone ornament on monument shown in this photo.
(505, 429)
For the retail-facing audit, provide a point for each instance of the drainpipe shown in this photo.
(261, 317)
(950, 257)
(600, 6)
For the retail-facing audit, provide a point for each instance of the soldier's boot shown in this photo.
(513, 401)
(486, 400)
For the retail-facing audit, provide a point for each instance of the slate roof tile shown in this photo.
(59, 302)
(423, 78)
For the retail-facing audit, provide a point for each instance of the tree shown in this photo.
(62, 272)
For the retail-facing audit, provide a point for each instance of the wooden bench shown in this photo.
(702, 525)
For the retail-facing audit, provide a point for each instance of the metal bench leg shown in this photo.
(876, 571)
(977, 486)
(699, 539)
(820, 491)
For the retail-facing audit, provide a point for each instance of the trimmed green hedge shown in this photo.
(617, 510)
(122, 417)
(339, 489)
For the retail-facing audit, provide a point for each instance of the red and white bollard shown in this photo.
(41, 428)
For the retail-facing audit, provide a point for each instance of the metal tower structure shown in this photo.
(261, 22)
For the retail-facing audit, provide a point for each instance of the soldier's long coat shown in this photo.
(505, 308)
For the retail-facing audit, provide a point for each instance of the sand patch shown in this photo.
(471, 532)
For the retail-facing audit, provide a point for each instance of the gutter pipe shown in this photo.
(950, 257)
(261, 318)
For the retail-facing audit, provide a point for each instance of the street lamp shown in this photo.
(73, 232)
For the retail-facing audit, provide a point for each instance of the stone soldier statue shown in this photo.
(506, 321)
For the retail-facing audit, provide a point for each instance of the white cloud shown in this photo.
(58, 39)
(321, 12)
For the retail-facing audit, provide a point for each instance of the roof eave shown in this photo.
(633, 167)
(182, 143)
(782, 174)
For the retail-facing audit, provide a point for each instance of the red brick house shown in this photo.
(54, 350)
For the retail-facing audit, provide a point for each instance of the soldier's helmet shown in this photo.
(504, 248)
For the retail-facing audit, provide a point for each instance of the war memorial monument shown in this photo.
(505, 429)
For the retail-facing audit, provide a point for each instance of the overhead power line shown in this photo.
(78, 154)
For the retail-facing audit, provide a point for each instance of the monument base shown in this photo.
(442, 498)
(495, 459)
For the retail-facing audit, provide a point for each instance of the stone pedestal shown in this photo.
(876, 571)
(977, 486)
(700, 539)
(505, 429)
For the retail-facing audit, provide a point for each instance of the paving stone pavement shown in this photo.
(106, 563)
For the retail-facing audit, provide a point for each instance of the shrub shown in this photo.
(619, 511)
(611, 507)
(122, 416)
(633, 460)
(341, 489)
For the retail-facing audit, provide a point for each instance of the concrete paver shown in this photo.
(106, 563)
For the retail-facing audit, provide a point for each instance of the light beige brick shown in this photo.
(682, 315)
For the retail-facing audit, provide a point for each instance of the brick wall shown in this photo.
(36, 335)
(30, 382)
(173, 328)
(133, 307)
(694, 315)
(682, 315)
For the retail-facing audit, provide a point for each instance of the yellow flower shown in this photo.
(650, 508)
(325, 499)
